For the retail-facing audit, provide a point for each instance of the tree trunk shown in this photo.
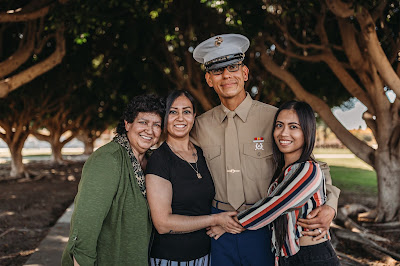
(17, 167)
(56, 155)
(89, 147)
(388, 173)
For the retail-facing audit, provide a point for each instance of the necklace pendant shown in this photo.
(199, 176)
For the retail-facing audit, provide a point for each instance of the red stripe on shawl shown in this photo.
(301, 181)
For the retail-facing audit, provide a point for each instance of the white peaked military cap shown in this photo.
(221, 50)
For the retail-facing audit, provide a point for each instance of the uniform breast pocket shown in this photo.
(213, 159)
(258, 162)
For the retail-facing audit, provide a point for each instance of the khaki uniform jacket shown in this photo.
(253, 120)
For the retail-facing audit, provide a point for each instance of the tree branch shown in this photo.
(9, 84)
(21, 16)
(340, 9)
(348, 82)
(378, 10)
(22, 54)
(294, 41)
(371, 123)
(41, 136)
(358, 147)
(312, 58)
(320, 26)
(65, 141)
(376, 52)
(351, 47)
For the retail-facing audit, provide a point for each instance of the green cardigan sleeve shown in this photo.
(97, 188)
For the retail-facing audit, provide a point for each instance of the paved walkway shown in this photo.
(51, 248)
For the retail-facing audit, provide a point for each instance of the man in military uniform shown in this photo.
(237, 144)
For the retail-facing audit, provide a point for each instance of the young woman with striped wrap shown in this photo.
(298, 187)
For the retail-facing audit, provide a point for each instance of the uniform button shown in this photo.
(259, 153)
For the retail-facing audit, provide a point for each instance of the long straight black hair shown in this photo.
(308, 126)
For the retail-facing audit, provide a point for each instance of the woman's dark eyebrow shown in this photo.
(147, 120)
(186, 107)
(290, 123)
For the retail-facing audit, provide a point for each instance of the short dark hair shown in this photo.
(171, 99)
(147, 103)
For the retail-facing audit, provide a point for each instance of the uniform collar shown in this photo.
(242, 110)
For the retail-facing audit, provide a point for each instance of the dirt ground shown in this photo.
(29, 209)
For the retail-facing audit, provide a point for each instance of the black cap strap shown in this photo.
(224, 59)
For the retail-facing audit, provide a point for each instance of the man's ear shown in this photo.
(245, 70)
(208, 79)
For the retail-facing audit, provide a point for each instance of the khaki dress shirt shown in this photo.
(253, 120)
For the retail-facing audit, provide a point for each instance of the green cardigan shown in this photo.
(110, 224)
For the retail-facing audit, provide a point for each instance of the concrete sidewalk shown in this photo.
(51, 248)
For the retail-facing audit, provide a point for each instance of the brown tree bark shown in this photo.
(89, 147)
(17, 166)
(88, 138)
(15, 136)
(388, 172)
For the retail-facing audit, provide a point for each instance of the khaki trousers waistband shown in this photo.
(227, 207)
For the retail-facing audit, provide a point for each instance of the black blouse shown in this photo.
(191, 196)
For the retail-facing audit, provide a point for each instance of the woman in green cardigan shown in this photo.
(111, 224)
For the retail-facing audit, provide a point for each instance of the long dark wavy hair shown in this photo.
(308, 126)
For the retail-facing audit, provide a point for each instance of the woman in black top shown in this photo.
(180, 191)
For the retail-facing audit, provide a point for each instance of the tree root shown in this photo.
(346, 259)
(369, 216)
(383, 226)
(356, 237)
(380, 256)
(31, 176)
(353, 209)
(7, 231)
(12, 229)
(362, 235)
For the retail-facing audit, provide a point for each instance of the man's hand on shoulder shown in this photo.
(318, 221)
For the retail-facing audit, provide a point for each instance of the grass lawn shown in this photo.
(354, 179)
(352, 175)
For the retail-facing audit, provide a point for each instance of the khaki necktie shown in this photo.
(232, 160)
